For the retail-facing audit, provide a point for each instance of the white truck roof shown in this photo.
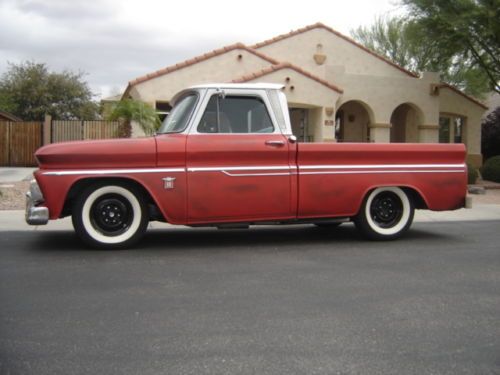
(258, 85)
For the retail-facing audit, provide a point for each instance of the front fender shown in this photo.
(56, 186)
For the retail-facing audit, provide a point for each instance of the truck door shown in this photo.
(238, 162)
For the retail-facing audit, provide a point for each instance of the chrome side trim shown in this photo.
(113, 171)
(381, 166)
(382, 172)
(254, 168)
(307, 169)
(255, 174)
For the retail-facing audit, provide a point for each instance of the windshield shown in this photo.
(178, 118)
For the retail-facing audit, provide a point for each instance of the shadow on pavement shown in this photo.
(274, 238)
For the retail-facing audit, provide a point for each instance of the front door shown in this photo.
(238, 163)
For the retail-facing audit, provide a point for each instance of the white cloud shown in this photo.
(115, 41)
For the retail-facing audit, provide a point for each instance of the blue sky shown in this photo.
(115, 41)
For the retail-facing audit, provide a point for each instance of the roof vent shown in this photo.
(319, 56)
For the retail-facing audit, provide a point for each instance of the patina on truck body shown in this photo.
(226, 155)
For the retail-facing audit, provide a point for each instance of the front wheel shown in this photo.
(386, 214)
(110, 215)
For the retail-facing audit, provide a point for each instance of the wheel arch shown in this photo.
(416, 196)
(79, 185)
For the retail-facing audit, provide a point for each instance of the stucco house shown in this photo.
(337, 90)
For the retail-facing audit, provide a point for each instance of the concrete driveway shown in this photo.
(14, 174)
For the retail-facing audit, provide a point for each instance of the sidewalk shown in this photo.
(484, 207)
(11, 174)
(13, 220)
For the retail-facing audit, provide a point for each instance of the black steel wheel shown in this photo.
(386, 213)
(110, 215)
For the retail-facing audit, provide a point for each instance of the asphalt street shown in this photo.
(269, 300)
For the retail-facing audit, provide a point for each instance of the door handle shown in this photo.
(275, 143)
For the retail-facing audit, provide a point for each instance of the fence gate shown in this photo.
(18, 142)
(76, 130)
(63, 131)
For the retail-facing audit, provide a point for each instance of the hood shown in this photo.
(108, 153)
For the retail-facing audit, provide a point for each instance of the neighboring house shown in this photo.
(338, 90)
(6, 116)
(108, 103)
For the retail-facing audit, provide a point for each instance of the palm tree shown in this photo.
(129, 110)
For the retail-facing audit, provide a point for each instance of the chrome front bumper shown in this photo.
(35, 215)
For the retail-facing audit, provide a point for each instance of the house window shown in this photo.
(163, 109)
(444, 130)
(458, 128)
(451, 129)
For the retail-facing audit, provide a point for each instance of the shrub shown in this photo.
(471, 174)
(490, 134)
(491, 169)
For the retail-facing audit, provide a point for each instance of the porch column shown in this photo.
(380, 133)
(47, 129)
(428, 133)
(328, 124)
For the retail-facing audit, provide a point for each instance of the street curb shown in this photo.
(13, 220)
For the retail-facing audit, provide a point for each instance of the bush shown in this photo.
(490, 134)
(491, 169)
(471, 174)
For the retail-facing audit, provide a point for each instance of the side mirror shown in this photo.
(292, 139)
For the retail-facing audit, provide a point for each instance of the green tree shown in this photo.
(407, 43)
(470, 29)
(490, 134)
(29, 90)
(129, 110)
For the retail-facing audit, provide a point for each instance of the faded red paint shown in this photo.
(289, 192)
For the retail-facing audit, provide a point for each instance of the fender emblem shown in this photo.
(168, 182)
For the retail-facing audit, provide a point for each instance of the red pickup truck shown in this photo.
(225, 156)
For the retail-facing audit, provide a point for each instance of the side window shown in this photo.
(235, 114)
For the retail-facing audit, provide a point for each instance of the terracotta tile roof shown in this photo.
(319, 25)
(198, 59)
(285, 65)
(460, 92)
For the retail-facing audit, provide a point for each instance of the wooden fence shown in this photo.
(20, 140)
(63, 131)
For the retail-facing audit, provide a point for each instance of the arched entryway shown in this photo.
(405, 120)
(352, 122)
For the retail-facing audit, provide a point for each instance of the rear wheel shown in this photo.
(386, 214)
(110, 215)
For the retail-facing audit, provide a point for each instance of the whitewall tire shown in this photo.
(386, 214)
(110, 215)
